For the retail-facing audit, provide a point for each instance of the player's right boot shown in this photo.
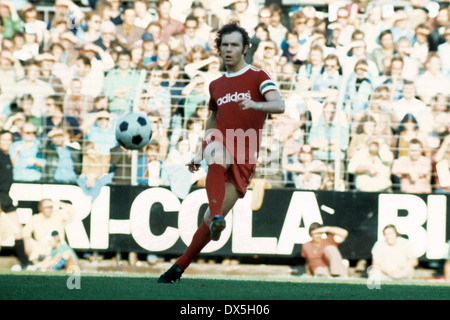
(172, 275)
(216, 227)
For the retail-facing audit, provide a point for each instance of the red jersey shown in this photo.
(241, 128)
(315, 254)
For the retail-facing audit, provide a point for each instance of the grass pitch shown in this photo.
(126, 286)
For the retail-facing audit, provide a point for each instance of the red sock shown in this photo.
(199, 241)
(215, 188)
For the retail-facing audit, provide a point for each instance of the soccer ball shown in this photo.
(133, 131)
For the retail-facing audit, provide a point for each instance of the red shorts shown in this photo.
(239, 175)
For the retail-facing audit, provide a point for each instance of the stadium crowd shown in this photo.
(366, 85)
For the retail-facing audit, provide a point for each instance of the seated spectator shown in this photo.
(191, 38)
(360, 138)
(312, 68)
(411, 66)
(394, 79)
(159, 133)
(358, 88)
(329, 178)
(195, 94)
(121, 165)
(56, 117)
(291, 51)
(32, 85)
(385, 50)
(204, 29)
(432, 81)
(168, 24)
(269, 167)
(50, 74)
(443, 51)
(120, 84)
(307, 170)
(14, 123)
(409, 129)
(108, 40)
(358, 52)
(441, 119)
(143, 16)
(323, 258)
(158, 97)
(420, 44)
(11, 20)
(394, 256)
(26, 105)
(442, 160)
(76, 104)
(25, 157)
(163, 57)
(149, 167)
(90, 29)
(95, 170)
(100, 129)
(51, 216)
(323, 135)
(383, 123)
(413, 170)
(61, 256)
(62, 162)
(401, 27)
(267, 58)
(127, 33)
(331, 77)
(148, 49)
(372, 167)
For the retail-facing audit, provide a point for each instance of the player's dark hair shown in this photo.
(230, 28)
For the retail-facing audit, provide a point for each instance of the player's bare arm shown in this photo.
(274, 103)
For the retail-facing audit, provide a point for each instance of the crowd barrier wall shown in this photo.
(141, 219)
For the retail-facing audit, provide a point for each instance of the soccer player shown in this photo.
(239, 104)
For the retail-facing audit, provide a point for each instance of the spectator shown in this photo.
(11, 70)
(39, 89)
(30, 18)
(92, 79)
(67, 12)
(441, 119)
(11, 20)
(14, 123)
(50, 74)
(410, 104)
(158, 96)
(386, 50)
(163, 57)
(323, 135)
(322, 253)
(409, 129)
(401, 27)
(204, 29)
(383, 122)
(108, 40)
(411, 66)
(291, 49)
(421, 48)
(150, 168)
(168, 24)
(159, 133)
(26, 105)
(394, 78)
(91, 28)
(25, 157)
(329, 178)
(298, 23)
(365, 130)
(148, 49)
(372, 27)
(413, 170)
(61, 256)
(191, 38)
(443, 51)
(353, 53)
(267, 58)
(143, 16)
(121, 165)
(277, 31)
(394, 256)
(52, 216)
(95, 170)
(56, 117)
(62, 162)
(312, 68)
(437, 34)
(244, 11)
(127, 33)
(372, 167)
(195, 93)
(120, 84)
(10, 226)
(432, 81)
(307, 170)
(115, 11)
(99, 128)
(331, 77)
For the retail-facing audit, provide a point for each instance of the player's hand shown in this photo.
(246, 104)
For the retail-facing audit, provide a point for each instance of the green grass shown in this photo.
(125, 286)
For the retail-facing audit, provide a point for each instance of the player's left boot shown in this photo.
(172, 275)
(216, 227)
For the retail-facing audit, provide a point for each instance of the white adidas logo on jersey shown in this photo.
(234, 97)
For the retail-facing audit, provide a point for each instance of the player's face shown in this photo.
(232, 50)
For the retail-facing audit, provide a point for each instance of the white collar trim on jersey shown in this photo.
(238, 73)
